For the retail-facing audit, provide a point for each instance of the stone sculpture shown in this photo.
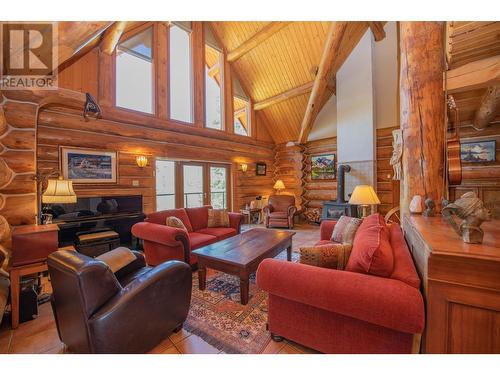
(471, 210)
(416, 204)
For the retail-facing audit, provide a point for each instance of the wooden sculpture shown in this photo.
(397, 152)
(471, 210)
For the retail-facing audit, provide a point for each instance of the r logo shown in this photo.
(29, 55)
(27, 49)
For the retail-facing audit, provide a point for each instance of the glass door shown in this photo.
(193, 184)
(165, 185)
(219, 186)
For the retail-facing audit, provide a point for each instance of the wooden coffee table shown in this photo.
(241, 255)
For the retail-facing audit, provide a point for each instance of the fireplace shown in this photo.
(337, 208)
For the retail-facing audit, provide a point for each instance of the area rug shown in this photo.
(217, 316)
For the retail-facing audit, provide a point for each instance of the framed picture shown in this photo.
(84, 166)
(323, 167)
(260, 169)
(478, 152)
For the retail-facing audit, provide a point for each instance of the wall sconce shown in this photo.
(141, 161)
(244, 167)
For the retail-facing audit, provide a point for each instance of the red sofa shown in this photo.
(163, 243)
(335, 311)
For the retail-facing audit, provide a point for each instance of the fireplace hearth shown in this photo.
(337, 208)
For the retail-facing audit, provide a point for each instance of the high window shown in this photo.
(241, 107)
(241, 116)
(213, 82)
(134, 72)
(181, 85)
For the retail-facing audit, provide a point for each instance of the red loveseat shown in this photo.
(163, 243)
(335, 311)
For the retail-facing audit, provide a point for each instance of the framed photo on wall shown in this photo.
(323, 167)
(260, 169)
(478, 152)
(86, 166)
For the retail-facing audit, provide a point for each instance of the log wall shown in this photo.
(318, 191)
(17, 161)
(387, 189)
(481, 178)
(65, 129)
(312, 193)
(288, 167)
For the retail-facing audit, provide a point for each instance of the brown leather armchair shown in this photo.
(280, 210)
(131, 311)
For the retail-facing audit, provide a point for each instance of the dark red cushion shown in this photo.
(404, 269)
(160, 217)
(198, 217)
(198, 240)
(371, 250)
(220, 233)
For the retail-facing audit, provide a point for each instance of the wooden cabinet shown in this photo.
(461, 286)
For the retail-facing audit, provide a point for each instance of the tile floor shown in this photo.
(40, 335)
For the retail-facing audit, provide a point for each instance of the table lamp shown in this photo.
(278, 186)
(59, 191)
(364, 195)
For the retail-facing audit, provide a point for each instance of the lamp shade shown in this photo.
(141, 161)
(364, 194)
(279, 185)
(59, 191)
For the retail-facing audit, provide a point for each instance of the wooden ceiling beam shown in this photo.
(330, 52)
(377, 29)
(74, 37)
(261, 36)
(489, 108)
(477, 74)
(112, 36)
(289, 94)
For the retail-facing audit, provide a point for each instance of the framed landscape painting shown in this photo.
(323, 167)
(84, 166)
(478, 152)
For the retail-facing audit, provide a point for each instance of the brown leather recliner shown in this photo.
(131, 311)
(280, 210)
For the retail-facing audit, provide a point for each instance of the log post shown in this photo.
(422, 111)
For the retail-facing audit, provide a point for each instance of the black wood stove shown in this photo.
(337, 208)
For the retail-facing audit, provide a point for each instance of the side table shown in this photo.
(250, 213)
(31, 245)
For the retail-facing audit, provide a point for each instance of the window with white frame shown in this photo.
(134, 72)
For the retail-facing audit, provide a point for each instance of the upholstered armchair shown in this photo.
(280, 210)
(130, 311)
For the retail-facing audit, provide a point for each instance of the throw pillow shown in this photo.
(118, 258)
(175, 222)
(371, 250)
(345, 229)
(327, 256)
(218, 218)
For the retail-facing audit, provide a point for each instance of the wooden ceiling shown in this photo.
(469, 42)
(273, 58)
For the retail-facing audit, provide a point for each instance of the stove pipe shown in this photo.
(342, 169)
